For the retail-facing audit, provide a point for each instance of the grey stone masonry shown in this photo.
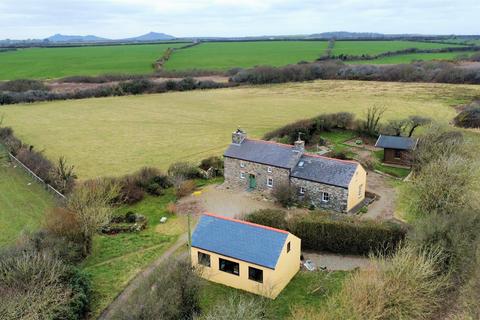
(337, 196)
(235, 167)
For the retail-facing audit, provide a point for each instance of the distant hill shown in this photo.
(152, 36)
(358, 35)
(69, 38)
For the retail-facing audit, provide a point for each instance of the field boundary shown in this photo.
(46, 186)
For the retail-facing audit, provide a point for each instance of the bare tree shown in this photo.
(374, 114)
(91, 201)
(64, 176)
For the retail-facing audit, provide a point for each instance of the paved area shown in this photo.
(384, 207)
(336, 261)
(227, 202)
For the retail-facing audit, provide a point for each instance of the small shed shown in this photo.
(244, 255)
(397, 150)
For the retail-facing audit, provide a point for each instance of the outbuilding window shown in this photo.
(229, 266)
(270, 182)
(325, 197)
(204, 259)
(397, 154)
(255, 274)
(288, 247)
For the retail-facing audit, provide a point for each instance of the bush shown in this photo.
(22, 85)
(237, 307)
(62, 222)
(469, 118)
(36, 162)
(336, 234)
(171, 292)
(269, 217)
(130, 191)
(285, 194)
(305, 127)
(185, 188)
(135, 86)
(215, 164)
(184, 170)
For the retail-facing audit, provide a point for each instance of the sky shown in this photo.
(21, 19)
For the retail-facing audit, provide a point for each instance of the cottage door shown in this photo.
(252, 181)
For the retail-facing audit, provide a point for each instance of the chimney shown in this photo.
(238, 136)
(299, 144)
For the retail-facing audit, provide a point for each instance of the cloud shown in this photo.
(122, 18)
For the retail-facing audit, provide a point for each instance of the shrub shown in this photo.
(237, 307)
(185, 188)
(171, 292)
(184, 170)
(130, 192)
(285, 194)
(135, 86)
(269, 217)
(22, 85)
(404, 286)
(215, 164)
(469, 118)
(62, 222)
(345, 235)
(305, 127)
(36, 162)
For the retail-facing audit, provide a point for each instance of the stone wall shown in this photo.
(233, 170)
(313, 190)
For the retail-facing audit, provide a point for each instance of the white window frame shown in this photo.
(325, 197)
(360, 188)
(269, 169)
(270, 185)
(302, 190)
(242, 175)
(242, 164)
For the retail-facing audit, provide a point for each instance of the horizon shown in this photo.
(118, 19)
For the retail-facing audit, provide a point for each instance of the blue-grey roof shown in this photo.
(269, 153)
(325, 170)
(395, 142)
(236, 239)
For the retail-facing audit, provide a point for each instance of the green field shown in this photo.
(118, 135)
(22, 202)
(358, 48)
(227, 55)
(44, 63)
(407, 58)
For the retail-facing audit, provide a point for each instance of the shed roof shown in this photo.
(325, 170)
(396, 142)
(265, 152)
(240, 240)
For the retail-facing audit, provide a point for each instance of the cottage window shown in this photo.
(255, 274)
(242, 175)
(397, 154)
(325, 197)
(229, 266)
(269, 169)
(360, 188)
(301, 190)
(288, 247)
(204, 259)
(270, 182)
(242, 164)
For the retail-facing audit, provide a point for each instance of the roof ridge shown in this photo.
(244, 222)
(271, 142)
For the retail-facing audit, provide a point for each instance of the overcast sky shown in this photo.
(21, 19)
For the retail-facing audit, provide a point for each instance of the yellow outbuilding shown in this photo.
(244, 255)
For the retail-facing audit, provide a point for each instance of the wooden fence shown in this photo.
(47, 186)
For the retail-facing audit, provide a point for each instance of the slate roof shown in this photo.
(238, 239)
(395, 142)
(325, 170)
(269, 153)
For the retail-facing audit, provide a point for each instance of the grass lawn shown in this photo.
(22, 201)
(393, 171)
(46, 63)
(227, 55)
(118, 135)
(306, 290)
(116, 259)
(357, 48)
(407, 58)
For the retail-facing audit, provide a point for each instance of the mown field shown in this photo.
(407, 58)
(45, 63)
(227, 55)
(117, 135)
(22, 202)
(357, 48)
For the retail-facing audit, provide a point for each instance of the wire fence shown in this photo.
(46, 186)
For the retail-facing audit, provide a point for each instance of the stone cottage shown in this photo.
(261, 165)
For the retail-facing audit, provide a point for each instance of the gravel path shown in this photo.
(336, 261)
(384, 207)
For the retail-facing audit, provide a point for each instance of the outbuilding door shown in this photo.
(252, 181)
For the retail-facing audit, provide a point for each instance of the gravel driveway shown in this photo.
(336, 261)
